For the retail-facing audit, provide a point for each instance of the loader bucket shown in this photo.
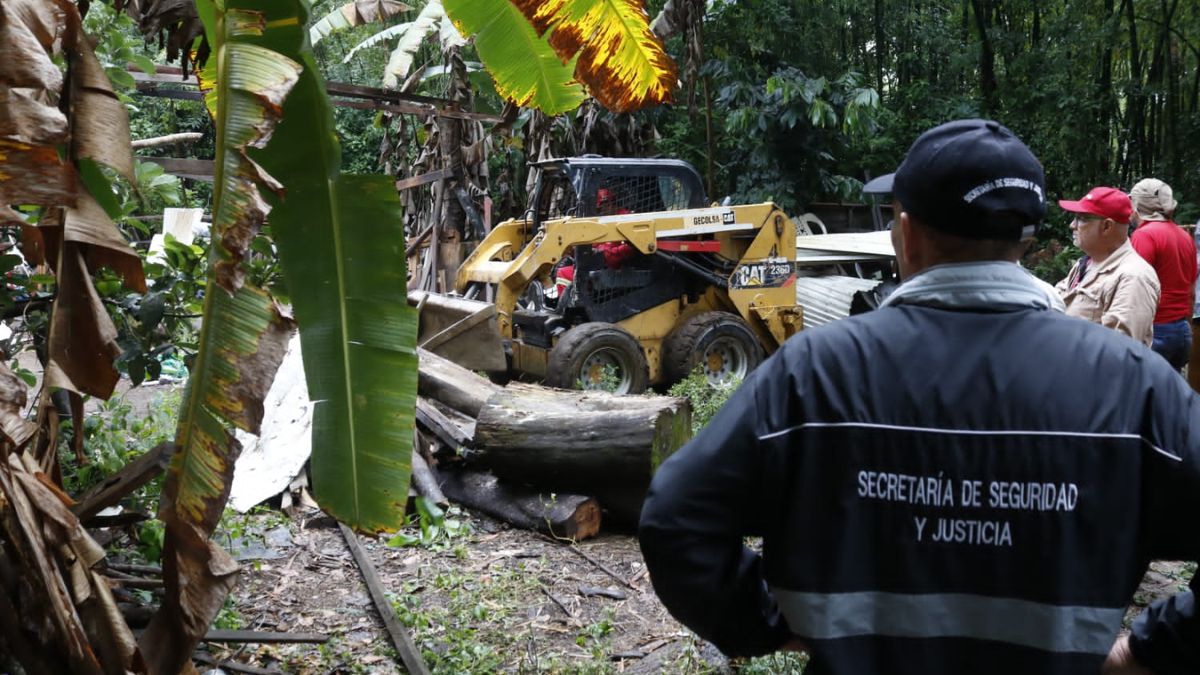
(464, 331)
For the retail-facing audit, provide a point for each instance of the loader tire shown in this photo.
(719, 341)
(599, 356)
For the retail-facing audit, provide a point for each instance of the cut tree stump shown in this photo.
(580, 442)
(558, 515)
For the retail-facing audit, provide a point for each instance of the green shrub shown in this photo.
(706, 397)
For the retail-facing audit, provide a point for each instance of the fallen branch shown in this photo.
(262, 637)
(235, 666)
(135, 569)
(563, 607)
(599, 565)
(169, 139)
(133, 476)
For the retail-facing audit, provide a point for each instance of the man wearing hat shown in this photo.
(1172, 254)
(961, 481)
(1111, 284)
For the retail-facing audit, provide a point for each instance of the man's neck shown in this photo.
(1100, 256)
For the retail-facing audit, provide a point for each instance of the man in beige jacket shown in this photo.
(1111, 284)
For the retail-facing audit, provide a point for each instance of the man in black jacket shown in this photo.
(963, 480)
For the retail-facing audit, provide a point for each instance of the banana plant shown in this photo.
(341, 245)
(354, 14)
(607, 44)
(548, 55)
(242, 338)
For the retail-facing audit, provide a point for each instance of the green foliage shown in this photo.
(706, 398)
(596, 636)
(608, 381)
(779, 663)
(463, 633)
(151, 537)
(431, 527)
(119, 45)
(228, 618)
(114, 435)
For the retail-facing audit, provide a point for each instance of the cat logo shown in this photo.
(727, 218)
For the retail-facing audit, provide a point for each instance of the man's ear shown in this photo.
(910, 248)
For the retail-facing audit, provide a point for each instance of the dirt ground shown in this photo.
(493, 600)
(496, 599)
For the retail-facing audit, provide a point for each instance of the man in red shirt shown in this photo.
(1172, 254)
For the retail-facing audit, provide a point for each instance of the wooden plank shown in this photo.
(378, 94)
(133, 476)
(447, 431)
(197, 169)
(423, 179)
(372, 98)
(263, 637)
(416, 109)
(234, 665)
(409, 654)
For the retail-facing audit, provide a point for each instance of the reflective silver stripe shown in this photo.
(1052, 628)
(970, 432)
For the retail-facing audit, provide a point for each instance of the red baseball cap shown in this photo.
(1105, 202)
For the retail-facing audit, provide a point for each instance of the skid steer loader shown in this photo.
(619, 277)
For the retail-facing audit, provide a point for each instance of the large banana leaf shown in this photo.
(620, 59)
(341, 243)
(524, 66)
(431, 17)
(242, 338)
(354, 14)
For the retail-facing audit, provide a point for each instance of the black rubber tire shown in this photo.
(688, 345)
(591, 345)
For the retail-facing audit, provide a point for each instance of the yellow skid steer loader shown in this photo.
(616, 280)
(707, 286)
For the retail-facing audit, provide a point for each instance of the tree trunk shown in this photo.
(453, 385)
(1136, 110)
(880, 46)
(558, 515)
(987, 55)
(587, 442)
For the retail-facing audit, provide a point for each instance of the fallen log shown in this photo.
(453, 385)
(558, 515)
(425, 480)
(580, 442)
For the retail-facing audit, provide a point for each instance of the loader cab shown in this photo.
(591, 186)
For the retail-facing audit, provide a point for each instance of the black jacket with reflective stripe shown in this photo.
(937, 491)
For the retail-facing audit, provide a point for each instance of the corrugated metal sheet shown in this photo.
(828, 298)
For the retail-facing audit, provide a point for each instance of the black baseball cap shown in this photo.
(972, 178)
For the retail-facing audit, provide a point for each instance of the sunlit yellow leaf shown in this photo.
(622, 63)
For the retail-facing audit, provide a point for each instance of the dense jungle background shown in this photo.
(800, 101)
(793, 101)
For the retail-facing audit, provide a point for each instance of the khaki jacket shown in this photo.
(1122, 293)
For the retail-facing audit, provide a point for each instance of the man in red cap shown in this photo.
(1111, 284)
